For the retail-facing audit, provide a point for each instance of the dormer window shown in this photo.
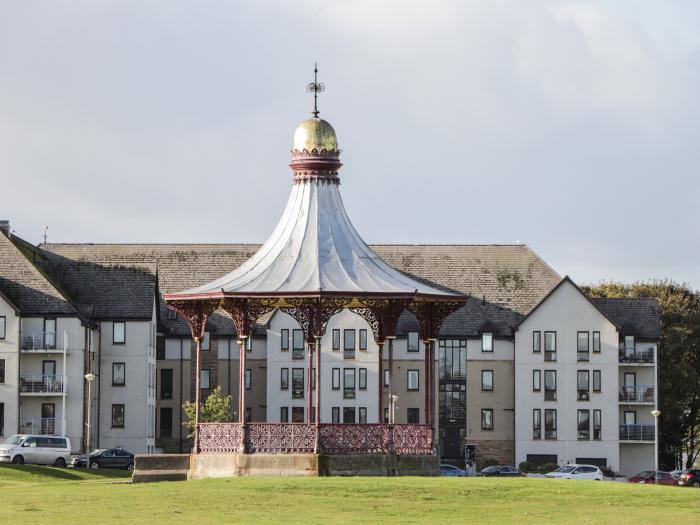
(487, 342)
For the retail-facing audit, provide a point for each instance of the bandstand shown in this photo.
(312, 267)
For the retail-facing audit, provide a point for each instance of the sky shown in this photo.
(573, 127)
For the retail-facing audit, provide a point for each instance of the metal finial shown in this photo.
(315, 87)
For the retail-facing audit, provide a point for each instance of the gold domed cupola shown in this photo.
(315, 134)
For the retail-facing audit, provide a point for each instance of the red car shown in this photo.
(647, 477)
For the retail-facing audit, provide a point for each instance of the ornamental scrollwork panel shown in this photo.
(195, 313)
(220, 438)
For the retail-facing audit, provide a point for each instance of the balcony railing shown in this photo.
(636, 432)
(48, 426)
(637, 394)
(632, 355)
(41, 384)
(43, 341)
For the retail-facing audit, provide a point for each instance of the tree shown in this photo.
(678, 364)
(216, 409)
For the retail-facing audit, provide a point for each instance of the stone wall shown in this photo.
(501, 451)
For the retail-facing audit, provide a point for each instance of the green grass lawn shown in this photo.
(50, 495)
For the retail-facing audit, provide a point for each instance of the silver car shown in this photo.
(35, 449)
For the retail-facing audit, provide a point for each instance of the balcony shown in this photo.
(637, 433)
(47, 385)
(43, 342)
(637, 357)
(47, 426)
(637, 394)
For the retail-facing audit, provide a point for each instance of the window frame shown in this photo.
(205, 345)
(348, 351)
(161, 391)
(335, 378)
(284, 340)
(296, 350)
(3, 327)
(335, 415)
(595, 339)
(487, 371)
(583, 355)
(410, 347)
(583, 434)
(165, 410)
(536, 342)
(538, 374)
(115, 406)
(284, 414)
(387, 377)
(114, 332)
(413, 413)
(536, 423)
(484, 337)
(123, 383)
(550, 434)
(201, 378)
(550, 355)
(362, 415)
(487, 412)
(551, 373)
(362, 379)
(597, 433)
(349, 390)
(599, 381)
(362, 339)
(409, 372)
(248, 378)
(336, 340)
(2, 373)
(585, 389)
(284, 378)
(298, 393)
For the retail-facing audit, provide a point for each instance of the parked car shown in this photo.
(452, 471)
(647, 477)
(105, 458)
(690, 478)
(35, 449)
(500, 470)
(576, 472)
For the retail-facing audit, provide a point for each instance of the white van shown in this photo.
(39, 450)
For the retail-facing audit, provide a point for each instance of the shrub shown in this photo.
(548, 467)
(527, 466)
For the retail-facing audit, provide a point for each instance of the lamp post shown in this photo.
(89, 377)
(656, 413)
(394, 399)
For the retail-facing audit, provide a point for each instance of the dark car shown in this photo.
(500, 470)
(647, 477)
(105, 458)
(690, 478)
(451, 471)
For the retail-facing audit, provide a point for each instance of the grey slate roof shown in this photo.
(504, 281)
(26, 286)
(639, 317)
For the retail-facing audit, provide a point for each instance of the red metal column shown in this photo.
(426, 381)
(197, 391)
(391, 379)
(241, 379)
(431, 391)
(309, 382)
(318, 380)
(380, 384)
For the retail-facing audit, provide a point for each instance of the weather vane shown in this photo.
(315, 87)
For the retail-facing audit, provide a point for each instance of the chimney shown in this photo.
(5, 228)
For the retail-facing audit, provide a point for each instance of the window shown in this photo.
(362, 415)
(172, 314)
(166, 422)
(386, 415)
(584, 424)
(596, 380)
(297, 344)
(284, 414)
(348, 415)
(313, 379)
(349, 384)
(166, 383)
(536, 380)
(284, 378)
(487, 380)
(284, 340)
(118, 374)
(249, 343)
(204, 379)
(412, 380)
(412, 344)
(362, 380)
(452, 359)
(550, 423)
(597, 424)
(596, 342)
(550, 346)
(3, 327)
(629, 343)
(550, 385)
(336, 341)
(413, 415)
(582, 346)
(536, 342)
(487, 342)
(363, 339)
(2, 370)
(50, 333)
(119, 333)
(206, 341)
(118, 416)
(335, 380)
(248, 415)
(248, 378)
(297, 413)
(2, 419)
(537, 423)
(486, 419)
(387, 377)
(349, 344)
(583, 385)
(335, 414)
(297, 384)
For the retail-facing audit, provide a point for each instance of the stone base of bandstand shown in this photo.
(179, 467)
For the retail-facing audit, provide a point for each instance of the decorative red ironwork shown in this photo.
(220, 438)
(354, 439)
(413, 439)
(281, 438)
(382, 315)
(196, 313)
(313, 314)
(431, 315)
(245, 311)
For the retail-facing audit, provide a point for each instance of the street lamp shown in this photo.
(656, 413)
(89, 377)
(394, 399)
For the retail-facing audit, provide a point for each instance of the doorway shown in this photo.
(48, 418)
